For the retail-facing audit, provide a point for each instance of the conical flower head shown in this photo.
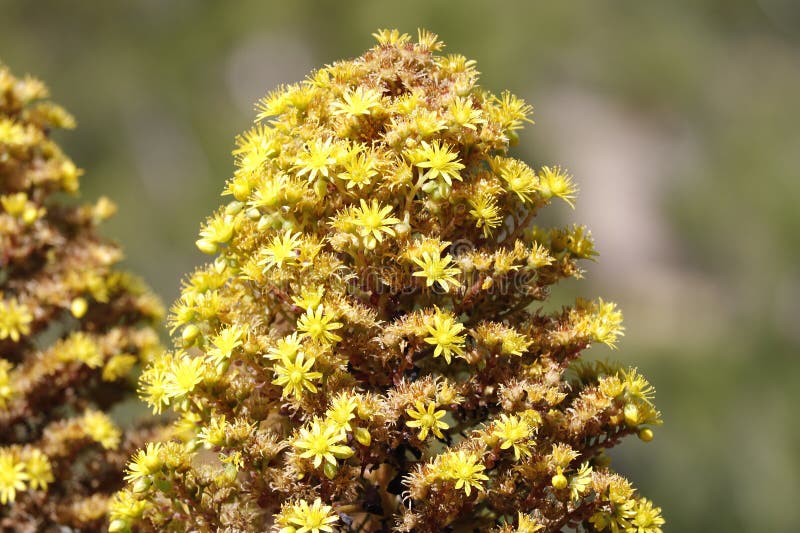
(382, 249)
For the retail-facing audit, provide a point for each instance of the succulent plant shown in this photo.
(72, 327)
(370, 349)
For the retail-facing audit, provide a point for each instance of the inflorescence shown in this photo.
(71, 329)
(368, 349)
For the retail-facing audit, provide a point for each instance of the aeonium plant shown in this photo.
(368, 349)
(73, 328)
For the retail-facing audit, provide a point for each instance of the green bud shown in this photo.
(265, 222)
(233, 208)
(330, 470)
(162, 484)
(189, 334)
(118, 526)
(429, 187)
(631, 413)
(321, 188)
(205, 246)
(362, 436)
(220, 264)
(141, 484)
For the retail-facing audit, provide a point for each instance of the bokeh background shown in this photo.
(680, 121)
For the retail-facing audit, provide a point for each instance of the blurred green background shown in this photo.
(680, 121)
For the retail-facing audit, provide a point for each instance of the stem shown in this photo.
(410, 196)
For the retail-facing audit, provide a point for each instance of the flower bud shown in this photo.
(631, 413)
(189, 334)
(78, 307)
(206, 246)
(559, 481)
(362, 436)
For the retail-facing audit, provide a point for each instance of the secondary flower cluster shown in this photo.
(71, 329)
(368, 349)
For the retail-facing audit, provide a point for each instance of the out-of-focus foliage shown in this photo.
(72, 327)
(681, 115)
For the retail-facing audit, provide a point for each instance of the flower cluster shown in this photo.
(369, 348)
(71, 329)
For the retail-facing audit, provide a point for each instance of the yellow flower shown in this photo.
(80, 347)
(436, 269)
(554, 182)
(600, 320)
(539, 256)
(14, 204)
(427, 419)
(123, 508)
(184, 374)
(373, 222)
(580, 481)
(309, 297)
(439, 161)
(119, 366)
(445, 335)
(317, 157)
(486, 213)
(295, 375)
(637, 386)
(386, 37)
(301, 517)
(464, 115)
(520, 178)
(512, 111)
(359, 168)
(616, 521)
(40, 473)
(320, 442)
(101, 429)
(357, 102)
(145, 462)
(253, 148)
(464, 468)
(280, 250)
(286, 347)
(316, 325)
(269, 192)
(227, 340)
(527, 524)
(15, 320)
(341, 411)
(514, 432)
(12, 476)
(218, 229)
(214, 433)
(6, 391)
(646, 518)
(153, 385)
